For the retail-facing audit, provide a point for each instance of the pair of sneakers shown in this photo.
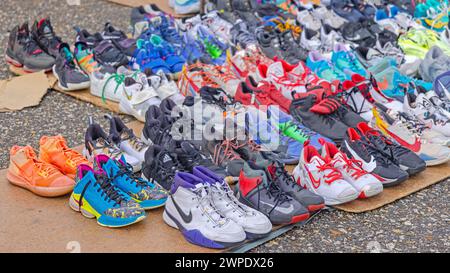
(120, 142)
(52, 173)
(202, 206)
(113, 194)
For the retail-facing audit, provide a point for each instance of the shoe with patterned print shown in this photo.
(318, 175)
(148, 195)
(98, 142)
(351, 169)
(85, 58)
(95, 196)
(42, 178)
(54, 150)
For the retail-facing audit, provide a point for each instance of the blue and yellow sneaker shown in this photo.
(95, 196)
(346, 61)
(145, 193)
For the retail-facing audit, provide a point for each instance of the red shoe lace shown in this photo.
(226, 147)
(334, 174)
(354, 167)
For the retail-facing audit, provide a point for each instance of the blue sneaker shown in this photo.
(146, 194)
(212, 46)
(324, 68)
(173, 60)
(346, 61)
(192, 50)
(95, 196)
(167, 31)
(145, 57)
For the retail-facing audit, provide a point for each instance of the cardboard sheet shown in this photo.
(23, 91)
(162, 4)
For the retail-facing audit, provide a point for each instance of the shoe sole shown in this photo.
(73, 204)
(41, 191)
(70, 86)
(26, 69)
(437, 161)
(194, 236)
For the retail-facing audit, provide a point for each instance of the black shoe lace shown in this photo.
(379, 156)
(283, 176)
(108, 190)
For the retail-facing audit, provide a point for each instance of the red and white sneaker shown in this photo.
(269, 89)
(351, 169)
(318, 175)
(249, 97)
(245, 62)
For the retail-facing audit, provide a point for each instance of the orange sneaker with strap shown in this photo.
(27, 171)
(54, 150)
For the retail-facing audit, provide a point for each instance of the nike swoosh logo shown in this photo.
(280, 209)
(368, 166)
(186, 218)
(315, 183)
(413, 147)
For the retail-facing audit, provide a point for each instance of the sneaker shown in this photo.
(346, 10)
(413, 136)
(223, 155)
(85, 58)
(325, 125)
(254, 223)
(160, 166)
(157, 127)
(23, 51)
(95, 196)
(364, 182)
(425, 111)
(310, 39)
(186, 6)
(204, 225)
(108, 86)
(308, 20)
(137, 97)
(436, 63)
(318, 175)
(329, 37)
(146, 194)
(328, 17)
(257, 190)
(54, 150)
(287, 183)
(107, 54)
(397, 153)
(346, 61)
(372, 160)
(42, 32)
(269, 43)
(42, 178)
(69, 76)
(323, 67)
(164, 86)
(125, 139)
(98, 142)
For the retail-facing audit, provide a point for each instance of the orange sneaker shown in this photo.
(54, 150)
(27, 171)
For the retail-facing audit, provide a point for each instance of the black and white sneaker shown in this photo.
(160, 166)
(372, 160)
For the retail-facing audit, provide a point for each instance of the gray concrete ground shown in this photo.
(417, 223)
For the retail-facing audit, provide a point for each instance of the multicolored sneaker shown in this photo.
(42, 178)
(85, 58)
(148, 195)
(95, 196)
(54, 150)
(70, 76)
(43, 34)
(347, 61)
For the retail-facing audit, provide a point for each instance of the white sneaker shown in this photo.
(186, 6)
(364, 182)
(107, 86)
(318, 176)
(190, 209)
(438, 102)
(165, 88)
(137, 98)
(217, 25)
(427, 112)
(310, 39)
(255, 223)
(329, 37)
(308, 20)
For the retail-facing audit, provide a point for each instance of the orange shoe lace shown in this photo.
(226, 147)
(73, 158)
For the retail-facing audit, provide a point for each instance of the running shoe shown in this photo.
(70, 76)
(95, 196)
(190, 208)
(257, 190)
(318, 175)
(364, 182)
(373, 160)
(44, 179)
(54, 150)
(85, 58)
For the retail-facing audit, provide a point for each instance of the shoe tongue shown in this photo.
(45, 27)
(276, 69)
(155, 81)
(166, 159)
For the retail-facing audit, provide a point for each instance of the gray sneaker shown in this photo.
(223, 154)
(269, 43)
(70, 76)
(258, 191)
(286, 182)
(436, 62)
(23, 51)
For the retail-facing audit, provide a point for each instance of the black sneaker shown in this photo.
(90, 40)
(46, 38)
(269, 43)
(347, 116)
(119, 39)
(373, 160)
(240, 35)
(326, 125)
(160, 166)
(107, 54)
(401, 156)
(292, 52)
(157, 127)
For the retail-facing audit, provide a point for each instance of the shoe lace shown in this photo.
(282, 175)
(118, 78)
(225, 192)
(332, 175)
(108, 190)
(225, 152)
(135, 142)
(353, 166)
(204, 198)
(213, 50)
(130, 176)
(302, 131)
(32, 47)
(352, 62)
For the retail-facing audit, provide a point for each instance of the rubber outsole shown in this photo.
(41, 191)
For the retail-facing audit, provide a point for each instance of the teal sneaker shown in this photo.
(346, 61)
(324, 68)
(145, 193)
(95, 196)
